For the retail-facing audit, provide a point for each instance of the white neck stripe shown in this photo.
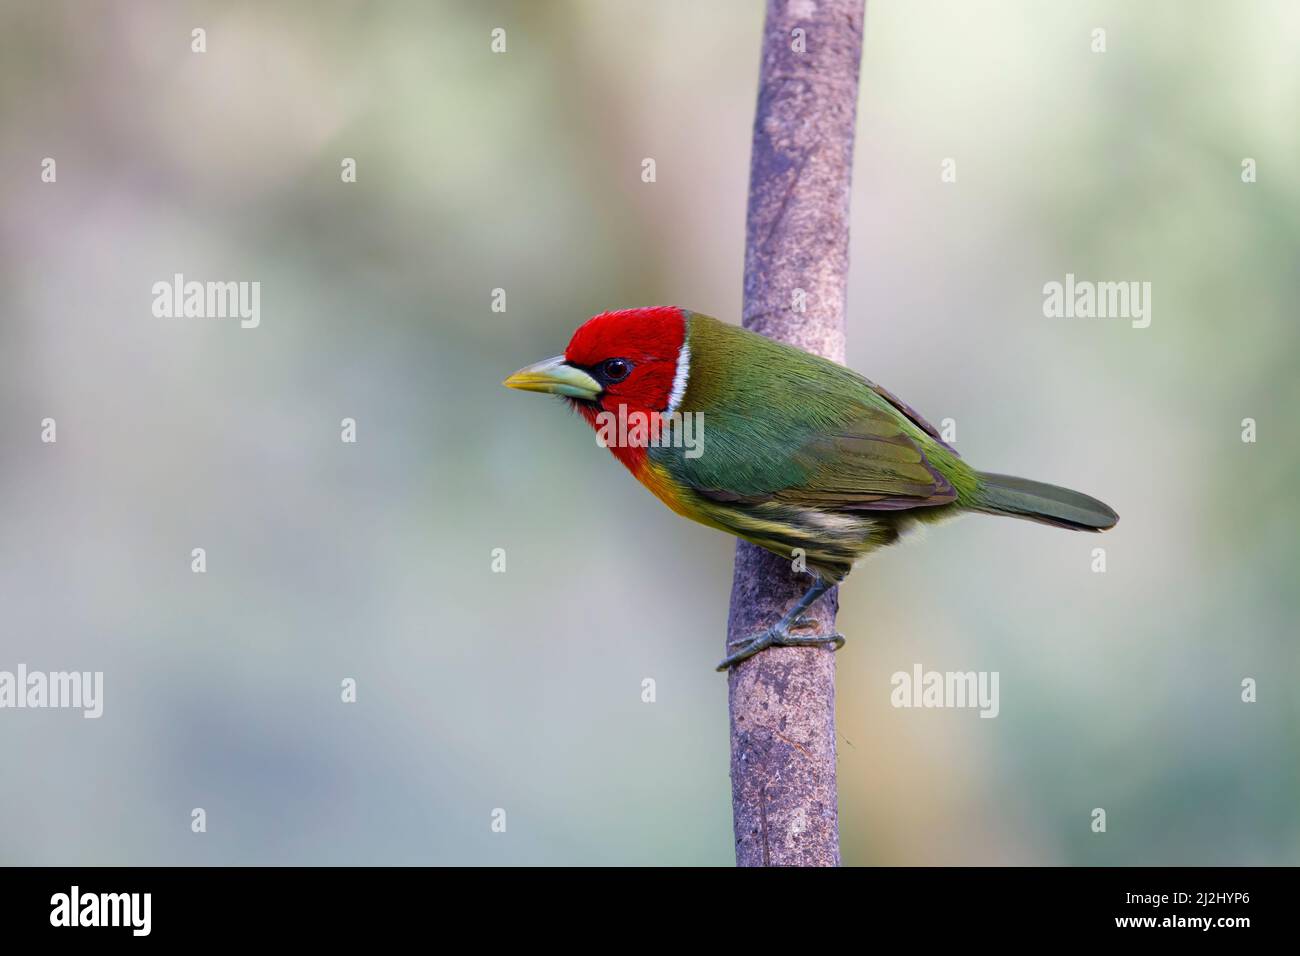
(680, 377)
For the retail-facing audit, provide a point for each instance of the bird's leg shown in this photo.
(778, 635)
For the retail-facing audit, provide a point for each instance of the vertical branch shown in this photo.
(782, 700)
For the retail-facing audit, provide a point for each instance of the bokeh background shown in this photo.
(522, 690)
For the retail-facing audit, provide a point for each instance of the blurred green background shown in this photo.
(522, 690)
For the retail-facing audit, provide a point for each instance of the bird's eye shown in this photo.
(615, 370)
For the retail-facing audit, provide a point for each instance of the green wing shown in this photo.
(868, 461)
(782, 425)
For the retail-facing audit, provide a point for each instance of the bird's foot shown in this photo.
(779, 636)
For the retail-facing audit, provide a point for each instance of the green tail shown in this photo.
(1022, 498)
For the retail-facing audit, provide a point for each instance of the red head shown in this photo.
(635, 358)
(633, 361)
(633, 355)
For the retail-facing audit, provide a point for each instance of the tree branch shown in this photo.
(782, 700)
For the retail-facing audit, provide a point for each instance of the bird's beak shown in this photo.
(557, 378)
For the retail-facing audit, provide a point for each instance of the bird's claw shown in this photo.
(804, 621)
(778, 637)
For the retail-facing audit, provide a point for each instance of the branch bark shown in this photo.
(782, 701)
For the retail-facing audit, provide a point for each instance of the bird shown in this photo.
(782, 448)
